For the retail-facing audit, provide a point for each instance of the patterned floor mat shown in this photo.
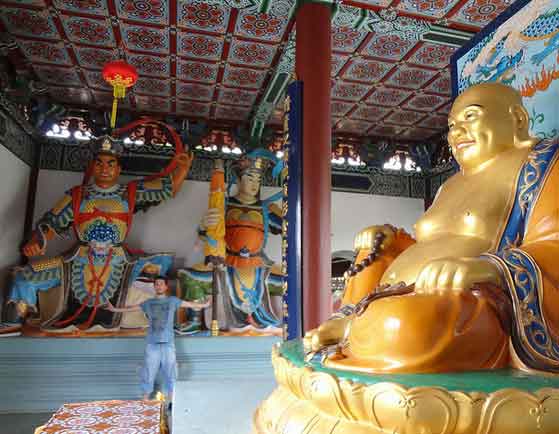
(106, 417)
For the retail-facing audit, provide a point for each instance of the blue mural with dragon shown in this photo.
(521, 49)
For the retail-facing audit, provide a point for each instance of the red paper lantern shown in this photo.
(120, 75)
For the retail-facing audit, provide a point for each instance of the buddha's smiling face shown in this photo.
(481, 126)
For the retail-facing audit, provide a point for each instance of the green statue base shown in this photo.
(311, 398)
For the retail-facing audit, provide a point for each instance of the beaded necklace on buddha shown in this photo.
(371, 257)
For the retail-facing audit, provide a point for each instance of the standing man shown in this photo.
(160, 353)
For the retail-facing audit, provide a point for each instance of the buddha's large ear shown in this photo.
(521, 120)
(521, 117)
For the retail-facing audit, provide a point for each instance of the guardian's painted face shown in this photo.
(106, 170)
(480, 128)
(250, 184)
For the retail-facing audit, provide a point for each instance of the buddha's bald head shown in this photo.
(496, 96)
(484, 121)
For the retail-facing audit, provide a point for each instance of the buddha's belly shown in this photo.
(407, 266)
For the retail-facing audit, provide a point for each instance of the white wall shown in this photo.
(172, 225)
(352, 212)
(14, 179)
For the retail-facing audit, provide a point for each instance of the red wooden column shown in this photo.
(313, 61)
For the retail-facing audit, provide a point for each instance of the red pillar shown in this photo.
(313, 61)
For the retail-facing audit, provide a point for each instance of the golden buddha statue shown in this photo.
(491, 234)
(475, 291)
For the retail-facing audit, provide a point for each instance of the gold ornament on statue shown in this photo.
(215, 328)
(106, 146)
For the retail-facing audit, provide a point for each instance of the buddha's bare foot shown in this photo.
(328, 333)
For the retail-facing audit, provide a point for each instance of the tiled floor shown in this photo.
(23, 423)
(224, 407)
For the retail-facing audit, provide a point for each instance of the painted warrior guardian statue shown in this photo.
(69, 290)
(237, 228)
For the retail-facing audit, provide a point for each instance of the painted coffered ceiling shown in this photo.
(227, 61)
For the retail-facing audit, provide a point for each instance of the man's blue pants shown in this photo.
(162, 358)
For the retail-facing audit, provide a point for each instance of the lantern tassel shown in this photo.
(113, 113)
(119, 91)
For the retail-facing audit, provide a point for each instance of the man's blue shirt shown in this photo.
(161, 315)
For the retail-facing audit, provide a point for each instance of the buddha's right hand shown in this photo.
(365, 240)
(328, 333)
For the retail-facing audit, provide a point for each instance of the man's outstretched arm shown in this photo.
(132, 308)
